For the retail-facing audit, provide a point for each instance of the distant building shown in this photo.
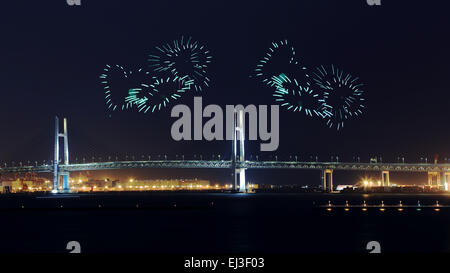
(144, 185)
(18, 185)
(343, 187)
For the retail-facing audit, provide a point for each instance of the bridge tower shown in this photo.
(57, 175)
(236, 158)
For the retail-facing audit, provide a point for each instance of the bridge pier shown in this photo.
(65, 177)
(385, 179)
(434, 179)
(444, 180)
(241, 184)
(327, 179)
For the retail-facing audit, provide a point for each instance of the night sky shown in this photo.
(52, 54)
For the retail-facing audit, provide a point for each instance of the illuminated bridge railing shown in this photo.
(163, 164)
(27, 169)
(350, 166)
(224, 164)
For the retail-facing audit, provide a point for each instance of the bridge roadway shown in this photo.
(226, 164)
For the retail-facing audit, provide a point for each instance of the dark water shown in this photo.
(220, 223)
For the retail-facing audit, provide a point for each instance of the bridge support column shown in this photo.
(242, 182)
(434, 179)
(56, 173)
(65, 177)
(238, 135)
(327, 180)
(444, 180)
(385, 179)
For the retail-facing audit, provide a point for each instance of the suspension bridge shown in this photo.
(438, 174)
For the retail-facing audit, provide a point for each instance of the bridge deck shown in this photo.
(224, 164)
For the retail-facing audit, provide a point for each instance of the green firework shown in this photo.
(184, 58)
(296, 98)
(115, 97)
(279, 59)
(342, 92)
(159, 94)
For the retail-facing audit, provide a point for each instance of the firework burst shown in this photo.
(296, 98)
(159, 94)
(184, 58)
(281, 59)
(118, 83)
(342, 93)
